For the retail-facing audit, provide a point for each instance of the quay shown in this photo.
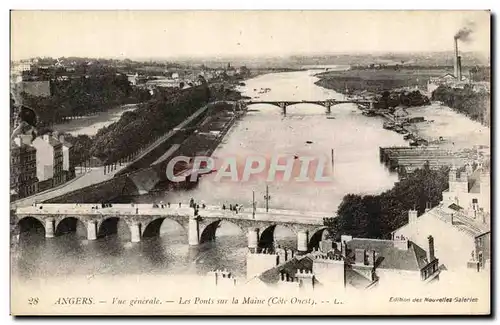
(411, 158)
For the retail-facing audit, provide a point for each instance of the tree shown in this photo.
(376, 216)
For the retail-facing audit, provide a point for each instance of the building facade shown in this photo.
(49, 161)
(462, 217)
(23, 177)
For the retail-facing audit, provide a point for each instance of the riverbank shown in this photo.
(436, 124)
(372, 81)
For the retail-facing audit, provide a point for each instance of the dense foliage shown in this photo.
(137, 128)
(391, 99)
(82, 148)
(376, 216)
(84, 95)
(474, 104)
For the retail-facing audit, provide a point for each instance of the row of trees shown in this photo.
(474, 104)
(376, 216)
(152, 119)
(135, 129)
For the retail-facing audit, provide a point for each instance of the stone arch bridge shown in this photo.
(144, 220)
(325, 103)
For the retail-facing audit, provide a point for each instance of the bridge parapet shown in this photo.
(146, 220)
(211, 212)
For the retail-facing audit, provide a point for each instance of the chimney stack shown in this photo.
(360, 256)
(431, 256)
(459, 67)
(455, 59)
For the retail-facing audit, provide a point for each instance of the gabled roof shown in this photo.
(356, 279)
(455, 207)
(390, 257)
(291, 267)
(448, 75)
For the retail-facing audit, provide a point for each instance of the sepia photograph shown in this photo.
(250, 162)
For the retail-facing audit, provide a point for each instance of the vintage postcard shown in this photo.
(250, 163)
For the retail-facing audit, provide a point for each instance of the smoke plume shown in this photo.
(465, 32)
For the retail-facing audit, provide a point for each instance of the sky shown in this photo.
(193, 34)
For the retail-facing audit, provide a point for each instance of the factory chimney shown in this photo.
(457, 63)
(456, 60)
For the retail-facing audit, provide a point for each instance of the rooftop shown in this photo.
(273, 276)
(388, 256)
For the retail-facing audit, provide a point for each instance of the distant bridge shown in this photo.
(328, 103)
(144, 220)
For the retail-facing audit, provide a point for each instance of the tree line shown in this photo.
(474, 104)
(376, 216)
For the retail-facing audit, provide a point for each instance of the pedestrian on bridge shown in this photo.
(136, 210)
(168, 204)
(223, 207)
(180, 204)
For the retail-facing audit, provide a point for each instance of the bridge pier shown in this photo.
(302, 241)
(253, 239)
(91, 230)
(135, 232)
(49, 228)
(193, 232)
(283, 107)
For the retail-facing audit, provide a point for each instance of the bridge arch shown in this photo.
(275, 104)
(326, 106)
(208, 232)
(153, 227)
(267, 235)
(28, 223)
(69, 224)
(109, 226)
(315, 237)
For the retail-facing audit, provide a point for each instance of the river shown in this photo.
(89, 125)
(305, 131)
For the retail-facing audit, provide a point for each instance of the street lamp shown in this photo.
(267, 197)
(253, 204)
